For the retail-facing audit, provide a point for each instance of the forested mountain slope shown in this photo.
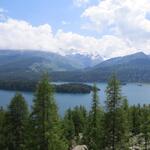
(30, 65)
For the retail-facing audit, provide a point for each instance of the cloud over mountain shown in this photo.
(128, 20)
(123, 27)
(17, 34)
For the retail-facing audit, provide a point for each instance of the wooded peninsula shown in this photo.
(30, 86)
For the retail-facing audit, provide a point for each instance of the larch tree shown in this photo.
(93, 135)
(46, 126)
(16, 120)
(2, 128)
(69, 127)
(145, 126)
(114, 121)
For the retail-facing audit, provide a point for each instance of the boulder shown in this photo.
(80, 147)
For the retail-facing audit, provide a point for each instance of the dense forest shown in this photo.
(30, 86)
(114, 126)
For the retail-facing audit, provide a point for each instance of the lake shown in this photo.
(135, 94)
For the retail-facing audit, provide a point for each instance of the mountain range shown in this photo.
(131, 68)
(38, 60)
(29, 65)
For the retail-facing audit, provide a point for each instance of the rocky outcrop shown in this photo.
(80, 147)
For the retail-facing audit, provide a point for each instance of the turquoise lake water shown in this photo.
(135, 94)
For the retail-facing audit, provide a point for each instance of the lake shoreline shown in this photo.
(134, 93)
(26, 86)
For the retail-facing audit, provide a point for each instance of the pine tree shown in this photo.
(136, 119)
(94, 130)
(16, 121)
(45, 121)
(2, 128)
(69, 127)
(114, 119)
(75, 122)
(125, 126)
(79, 119)
(145, 126)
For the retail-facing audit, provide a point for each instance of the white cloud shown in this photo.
(80, 3)
(123, 14)
(107, 46)
(15, 34)
(123, 24)
(126, 23)
(125, 19)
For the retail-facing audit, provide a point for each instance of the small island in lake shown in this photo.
(73, 88)
(30, 86)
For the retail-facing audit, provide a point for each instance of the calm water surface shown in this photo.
(135, 94)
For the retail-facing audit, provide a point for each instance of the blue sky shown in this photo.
(108, 28)
(60, 14)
